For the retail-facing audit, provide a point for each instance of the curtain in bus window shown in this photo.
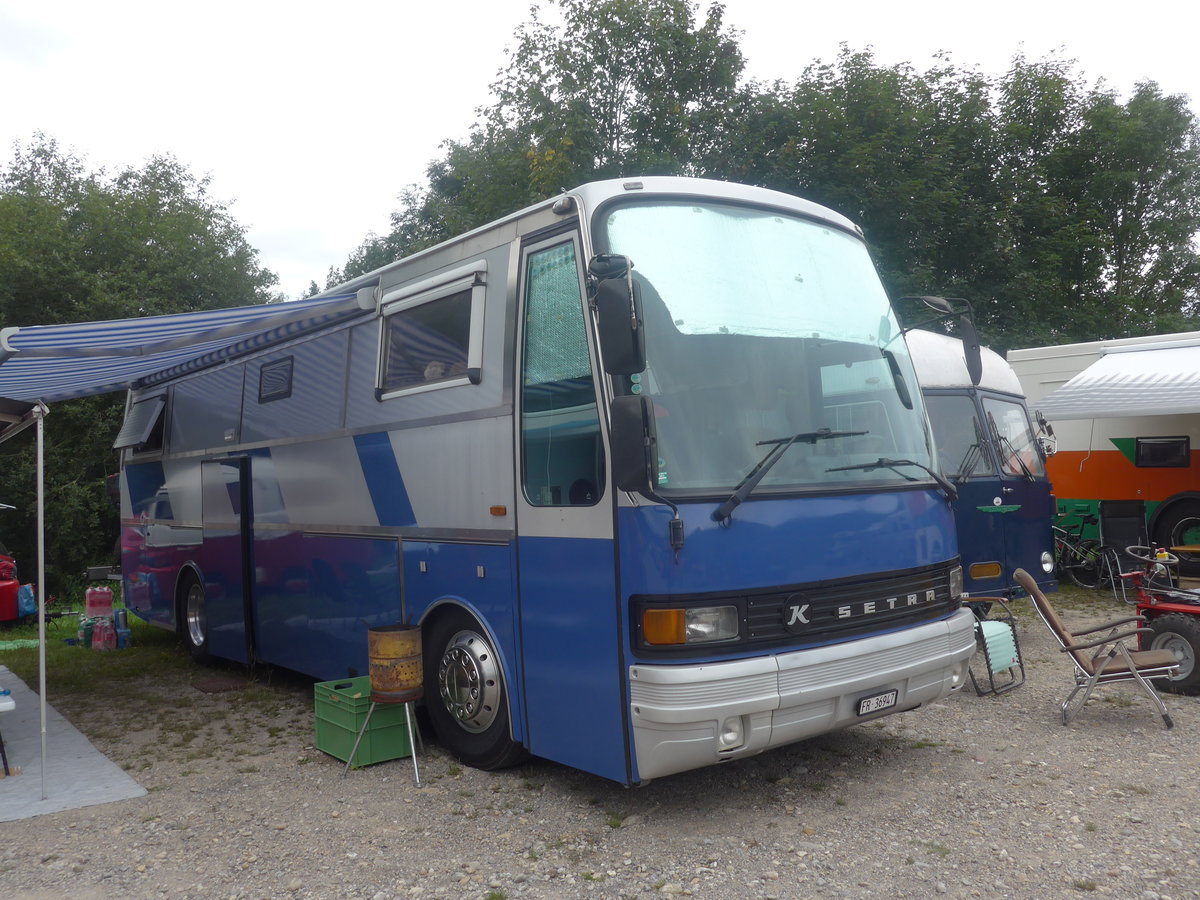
(563, 459)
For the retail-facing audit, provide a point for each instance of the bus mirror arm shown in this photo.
(634, 442)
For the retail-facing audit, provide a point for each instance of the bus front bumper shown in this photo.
(689, 716)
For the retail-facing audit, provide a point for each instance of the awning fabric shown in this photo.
(1134, 382)
(61, 362)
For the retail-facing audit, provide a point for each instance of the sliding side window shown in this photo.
(432, 335)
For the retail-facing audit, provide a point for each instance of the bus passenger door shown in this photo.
(567, 608)
(224, 558)
(1025, 489)
(965, 455)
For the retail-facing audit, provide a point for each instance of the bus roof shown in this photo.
(939, 362)
(587, 198)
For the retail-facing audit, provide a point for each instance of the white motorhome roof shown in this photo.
(1137, 379)
(939, 362)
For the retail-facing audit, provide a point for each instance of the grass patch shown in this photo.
(78, 669)
(933, 847)
(1135, 789)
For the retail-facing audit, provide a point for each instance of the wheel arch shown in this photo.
(1167, 506)
(443, 606)
(1167, 516)
(188, 570)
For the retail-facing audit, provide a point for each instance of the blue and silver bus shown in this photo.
(647, 463)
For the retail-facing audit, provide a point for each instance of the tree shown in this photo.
(79, 246)
(1060, 212)
(620, 87)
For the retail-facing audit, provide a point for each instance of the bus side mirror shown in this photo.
(965, 319)
(618, 303)
(971, 352)
(634, 444)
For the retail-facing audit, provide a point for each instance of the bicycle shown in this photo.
(1086, 561)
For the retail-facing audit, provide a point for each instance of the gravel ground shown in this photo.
(972, 797)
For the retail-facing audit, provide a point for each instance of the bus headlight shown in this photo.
(1047, 561)
(956, 582)
(695, 625)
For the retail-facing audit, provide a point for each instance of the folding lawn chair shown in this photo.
(1111, 663)
(996, 637)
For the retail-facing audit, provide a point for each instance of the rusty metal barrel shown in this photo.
(394, 654)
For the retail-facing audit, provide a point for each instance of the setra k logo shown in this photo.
(796, 613)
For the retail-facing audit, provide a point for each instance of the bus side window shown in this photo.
(426, 343)
(562, 454)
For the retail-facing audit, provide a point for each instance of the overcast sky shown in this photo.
(311, 119)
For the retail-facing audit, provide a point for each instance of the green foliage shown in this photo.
(78, 246)
(621, 87)
(1060, 212)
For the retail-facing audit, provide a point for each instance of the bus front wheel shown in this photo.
(193, 617)
(466, 695)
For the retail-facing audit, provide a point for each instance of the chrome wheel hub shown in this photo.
(469, 681)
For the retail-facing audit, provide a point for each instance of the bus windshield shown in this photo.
(1015, 441)
(761, 325)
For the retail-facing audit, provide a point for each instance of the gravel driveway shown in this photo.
(974, 797)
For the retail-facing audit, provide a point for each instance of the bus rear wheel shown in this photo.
(466, 695)
(193, 617)
(1180, 634)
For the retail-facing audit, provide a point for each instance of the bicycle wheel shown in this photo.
(1084, 564)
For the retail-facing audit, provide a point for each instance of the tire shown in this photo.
(1083, 564)
(1177, 525)
(193, 618)
(1179, 633)
(465, 693)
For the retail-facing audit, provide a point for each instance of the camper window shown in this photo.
(1163, 452)
(142, 431)
(275, 380)
(426, 344)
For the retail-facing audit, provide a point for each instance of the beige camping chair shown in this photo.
(1112, 662)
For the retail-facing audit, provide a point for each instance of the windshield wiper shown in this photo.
(974, 453)
(948, 489)
(1006, 446)
(750, 482)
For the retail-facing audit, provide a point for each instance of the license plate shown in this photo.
(876, 702)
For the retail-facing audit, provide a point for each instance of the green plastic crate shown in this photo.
(341, 709)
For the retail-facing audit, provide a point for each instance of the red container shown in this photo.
(104, 636)
(98, 602)
(8, 600)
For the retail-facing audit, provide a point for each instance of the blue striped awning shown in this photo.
(61, 362)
